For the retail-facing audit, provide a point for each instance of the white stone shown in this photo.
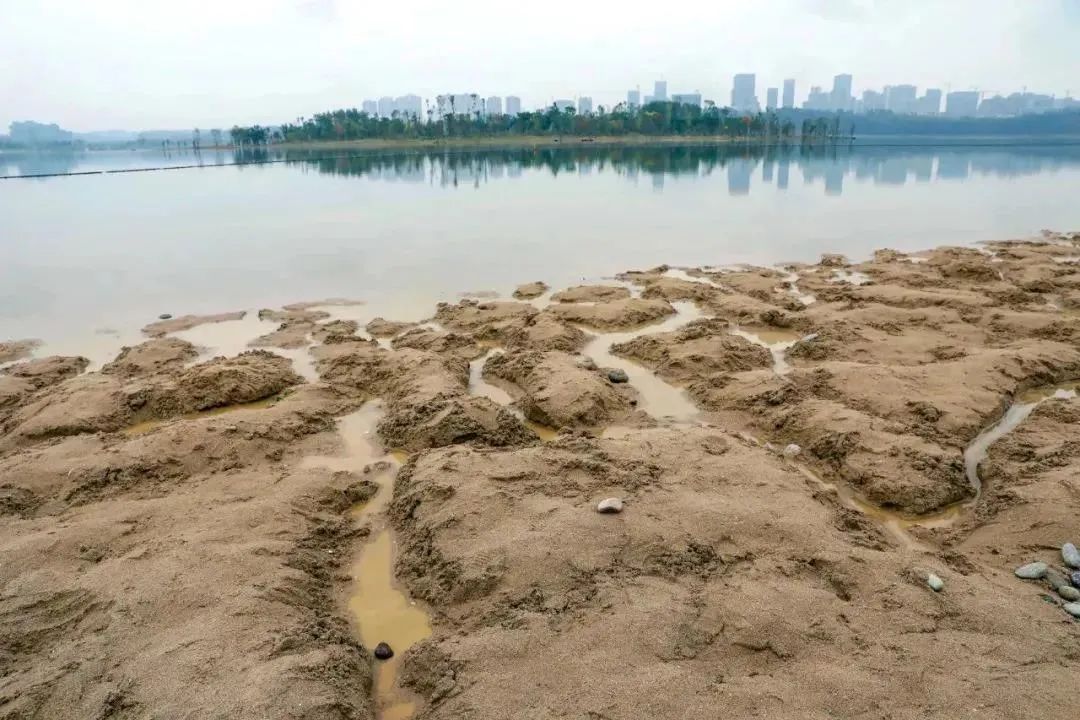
(1031, 571)
(1072, 608)
(1068, 592)
(792, 450)
(935, 582)
(609, 505)
(1070, 555)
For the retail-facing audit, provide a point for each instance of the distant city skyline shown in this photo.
(130, 64)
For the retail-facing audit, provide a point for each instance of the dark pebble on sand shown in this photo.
(164, 316)
(1075, 577)
(618, 376)
(383, 651)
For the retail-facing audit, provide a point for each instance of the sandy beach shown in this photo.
(827, 476)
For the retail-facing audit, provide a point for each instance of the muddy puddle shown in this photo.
(791, 286)
(141, 428)
(777, 341)
(852, 277)
(380, 609)
(657, 398)
(1022, 407)
(233, 337)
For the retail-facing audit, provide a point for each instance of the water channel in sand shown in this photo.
(482, 388)
(1022, 407)
(776, 341)
(382, 611)
(658, 398)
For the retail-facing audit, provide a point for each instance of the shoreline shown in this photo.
(791, 446)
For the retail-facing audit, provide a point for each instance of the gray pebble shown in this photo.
(383, 651)
(935, 582)
(1068, 592)
(1031, 571)
(618, 376)
(1075, 577)
(164, 316)
(792, 450)
(1055, 579)
(1072, 608)
(1070, 555)
(609, 505)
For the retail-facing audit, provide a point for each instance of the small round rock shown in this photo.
(383, 651)
(164, 316)
(618, 376)
(792, 450)
(1031, 571)
(1070, 555)
(1072, 608)
(935, 582)
(609, 505)
(1068, 592)
(1075, 578)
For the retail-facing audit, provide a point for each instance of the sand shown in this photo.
(187, 535)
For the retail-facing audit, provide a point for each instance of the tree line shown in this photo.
(652, 119)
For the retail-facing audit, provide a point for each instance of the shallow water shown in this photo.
(657, 398)
(141, 428)
(1022, 407)
(479, 386)
(777, 340)
(381, 609)
(79, 254)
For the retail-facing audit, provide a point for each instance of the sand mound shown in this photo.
(722, 575)
(555, 390)
(152, 357)
(615, 315)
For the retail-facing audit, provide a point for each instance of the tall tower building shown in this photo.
(770, 98)
(513, 105)
(584, 105)
(841, 92)
(660, 91)
(633, 99)
(743, 96)
(789, 93)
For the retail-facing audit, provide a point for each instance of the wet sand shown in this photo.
(228, 517)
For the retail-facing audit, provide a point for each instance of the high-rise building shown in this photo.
(660, 91)
(743, 97)
(962, 103)
(789, 93)
(930, 102)
(633, 99)
(563, 105)
(687, 99)
(901, 99)
(818, 99)
(872, 100)
(386, 107)
(513, 105)
(371, 107)
(841, 92)
(770, 98)
(493, 105)
(584, 105)
(409, 107)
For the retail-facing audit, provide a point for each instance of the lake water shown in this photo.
(81, 255)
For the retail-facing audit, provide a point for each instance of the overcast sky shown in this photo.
(141, 64)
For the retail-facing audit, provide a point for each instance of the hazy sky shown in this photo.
(140, 64)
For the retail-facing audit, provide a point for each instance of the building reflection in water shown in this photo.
(827, 167)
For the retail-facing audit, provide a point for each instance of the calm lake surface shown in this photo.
(93, 255)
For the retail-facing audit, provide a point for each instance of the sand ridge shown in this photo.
(170, 549)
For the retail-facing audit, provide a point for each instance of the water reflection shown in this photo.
(830, 167)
